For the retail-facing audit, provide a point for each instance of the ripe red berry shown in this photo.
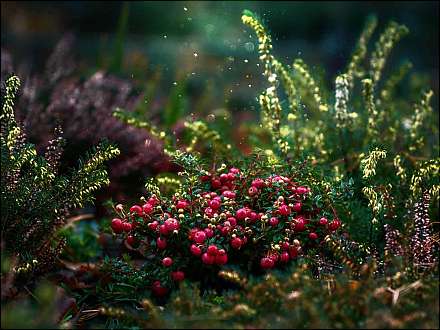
(253, 191)
(234, 170)
(195, 250)
(284, 210)
(209, 212)
(153, 201)
(153, 225)
(208, 259)
(313, 236)
(147, 208)
(216, 183)
(274, 256)
(182, 204)
(136, 209)
(293, 252)
(232, 221)
(229, 194)
(178, 276)
(323, 221)
(300, 224)
(163, 229)
(258, 183)
(241, 214)
(285, 256)
(224, 177)
(158, 289)
(117, 225)
(273, 221)
(236, 242)
(131, 240)
(214, 204)
(191, 233)
(212, 250)
(334, 225)
(266, 263)
(231, 176)
(161, 243)
(172, 224)
(302, 190)
(221, 259)
(297, 207)
(209, 232)
(167, 262)
(285, 245)
(126, 226)
(225, 230)
(199, 237)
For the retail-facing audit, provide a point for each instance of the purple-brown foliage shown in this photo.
(83, 109)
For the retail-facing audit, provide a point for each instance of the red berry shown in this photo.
(192, 233)
(234, 170)
(136, 209)
(241, 214)
(178, 276)
(231, 176)
(285, 246)
(221, 259)
(167, 262)
(153, 225)
(302, 190)
(252, 191)
(147, 208)
(334, 225)
(229, 194)
(131, 240)
(300, 224)
(117, 225)
(293, 252)
(273, 221)
(200, 237)
(285, 256)
(284, 210)
(266, 263)
(232, 221)
(182, 204)
(297, 207)
(216, 183)
(236, 243)
(214, 204)
(163, 229)
(209, 212)
(258, 183)
(224, 177)
(172, 224)
(153, 201)
(195, 250)
(313, 236)
(212, 250)
(225, 230)
(274, 256)
(209, 232)
(205, 178)
(158, 289)
(208, 259)
(161, 243)
(126, 226)
(323, 221)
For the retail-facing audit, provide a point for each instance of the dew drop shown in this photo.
(249, 46)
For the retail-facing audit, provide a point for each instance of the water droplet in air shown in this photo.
(249, 85)
(249, 46)
(185, 9)
(165, 36)
(246, 60)
(195, 54)
(147, 142)
(175, 83)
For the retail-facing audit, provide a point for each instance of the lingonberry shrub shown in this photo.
(254, 218)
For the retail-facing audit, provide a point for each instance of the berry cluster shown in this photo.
(226, 218)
